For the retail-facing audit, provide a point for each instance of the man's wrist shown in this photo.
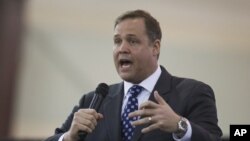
(182, 128)
(67, 137)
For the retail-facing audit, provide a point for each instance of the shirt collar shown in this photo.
(148, 84)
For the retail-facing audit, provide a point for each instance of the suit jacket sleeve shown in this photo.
(84, 102)
(64, 128)
(202, 114)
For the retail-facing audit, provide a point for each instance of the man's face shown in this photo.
(135, 57)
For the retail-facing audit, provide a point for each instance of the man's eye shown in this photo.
(117, 41)
(132, 41)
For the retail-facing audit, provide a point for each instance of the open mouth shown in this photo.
(125, 63)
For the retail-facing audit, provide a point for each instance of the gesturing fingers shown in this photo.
(149, 108)
(145, 120)
(142, 112)
(159, 99)
(155, 115)
(148, 105)
(150, 128)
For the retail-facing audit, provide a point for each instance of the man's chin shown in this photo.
(126, 76)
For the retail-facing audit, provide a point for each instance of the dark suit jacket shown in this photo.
(189, 98)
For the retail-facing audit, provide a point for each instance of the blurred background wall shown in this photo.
(67, 50)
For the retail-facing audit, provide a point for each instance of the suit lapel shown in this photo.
(112, 112)
(163, 86)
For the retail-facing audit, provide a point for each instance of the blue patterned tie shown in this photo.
(132, 105)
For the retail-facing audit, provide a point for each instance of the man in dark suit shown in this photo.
(166, 108)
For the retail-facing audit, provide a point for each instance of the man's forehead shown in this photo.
(130, 29)
(131, 24)
(133, 20)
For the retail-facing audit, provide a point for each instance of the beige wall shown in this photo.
(67, 51)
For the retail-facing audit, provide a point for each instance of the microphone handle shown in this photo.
(95, 104)
(82, 135)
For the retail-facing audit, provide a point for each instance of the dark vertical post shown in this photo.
(10, 42)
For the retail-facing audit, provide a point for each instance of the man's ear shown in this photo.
(156, 47)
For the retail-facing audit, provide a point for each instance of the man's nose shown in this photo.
(124, 47)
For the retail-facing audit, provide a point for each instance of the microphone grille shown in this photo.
(102, 89)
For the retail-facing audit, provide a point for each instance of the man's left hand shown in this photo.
(158, 115)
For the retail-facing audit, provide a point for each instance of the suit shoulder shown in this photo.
(86, 98)
(115, 88)
(188, 84)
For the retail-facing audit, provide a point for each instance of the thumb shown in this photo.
(159, 99)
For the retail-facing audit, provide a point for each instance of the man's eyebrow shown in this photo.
(128, 35)
(131, 35)
(116, 35)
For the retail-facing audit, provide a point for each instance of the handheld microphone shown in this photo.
(100, 93)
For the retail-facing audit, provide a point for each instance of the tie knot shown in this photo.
(135, 90)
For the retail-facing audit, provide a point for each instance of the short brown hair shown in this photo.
(152, 25)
